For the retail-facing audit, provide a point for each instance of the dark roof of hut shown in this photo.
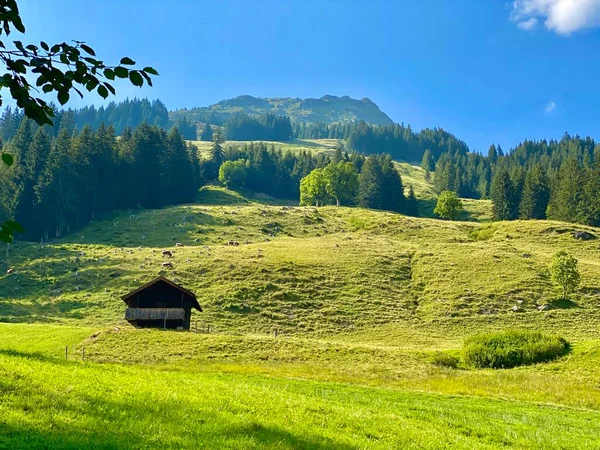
(195, 303)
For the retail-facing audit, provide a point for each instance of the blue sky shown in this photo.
(486, 70)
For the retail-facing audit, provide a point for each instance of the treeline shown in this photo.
(397, 140)
(122, 115)
(267, 127)
(61, 182)
(375, 184)
(263, 168)
(342, 178)
(558, 180)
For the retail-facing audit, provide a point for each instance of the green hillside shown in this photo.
(327, 109)
(362, 302)
(297, 145)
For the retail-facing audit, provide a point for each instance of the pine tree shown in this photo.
(502, 196)
(370, 193)
(492, 154)
(566, 201)
(392, 186)
(428, 163)
(591, 197)
(536, 194)
(55, 190)
(207, 133)
(31, 166)
(412, 204)
(216, 152)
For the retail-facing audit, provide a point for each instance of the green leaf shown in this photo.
(150, 70)
(109, 74)
(102, 91)
(45, 46)
(47, 88)
(110, 88)
(92, 83)
(63, 97)
(89, 50)
(7, 159)
(121, 72)
(136, 79)
(16, 226)
(127, 61)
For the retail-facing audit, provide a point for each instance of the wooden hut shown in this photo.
(160, 303)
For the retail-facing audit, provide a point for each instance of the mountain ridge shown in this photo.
(326, 109)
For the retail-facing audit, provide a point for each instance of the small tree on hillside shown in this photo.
(233, 174)
(313, 188)
(448, 205)
(342, 181)
(412, 204)
(565, 273)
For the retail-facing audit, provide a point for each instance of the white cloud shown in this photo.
(528, 24)
(550, 107)
(561, 16)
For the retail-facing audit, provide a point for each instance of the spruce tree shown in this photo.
(412, 204)
(391, 186)
(56, 201)
(31, 165)
(591, 197)
(502, 196)
(428, 163)
(492, 154)
(536, 194)
(370, 193)
(207, 133)
(566, 201)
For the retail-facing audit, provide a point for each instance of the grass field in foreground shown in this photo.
(49, 403)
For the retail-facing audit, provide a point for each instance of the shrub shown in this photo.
(448, 205)
(512, 348)
(443, 359)
(483, 234)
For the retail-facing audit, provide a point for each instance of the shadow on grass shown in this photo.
(563, 303)
(33, 355)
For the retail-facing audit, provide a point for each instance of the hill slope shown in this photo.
(301, 270)
(327, 109)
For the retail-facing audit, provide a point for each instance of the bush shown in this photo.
(512, 348)
(443, 359)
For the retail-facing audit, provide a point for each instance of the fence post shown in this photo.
(83, 353)
(66, 352)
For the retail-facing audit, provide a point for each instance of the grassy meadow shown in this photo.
(295, 145)
(364, 303)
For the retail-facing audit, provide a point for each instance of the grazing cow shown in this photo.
(10, 271)
(233, 243)
(167, 264)
(167, 253)
(80, 254)
(178, 244)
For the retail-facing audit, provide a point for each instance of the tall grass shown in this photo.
(512, 348)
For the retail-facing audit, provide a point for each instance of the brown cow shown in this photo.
(167, 253)
(167, 264)
(10, 271)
